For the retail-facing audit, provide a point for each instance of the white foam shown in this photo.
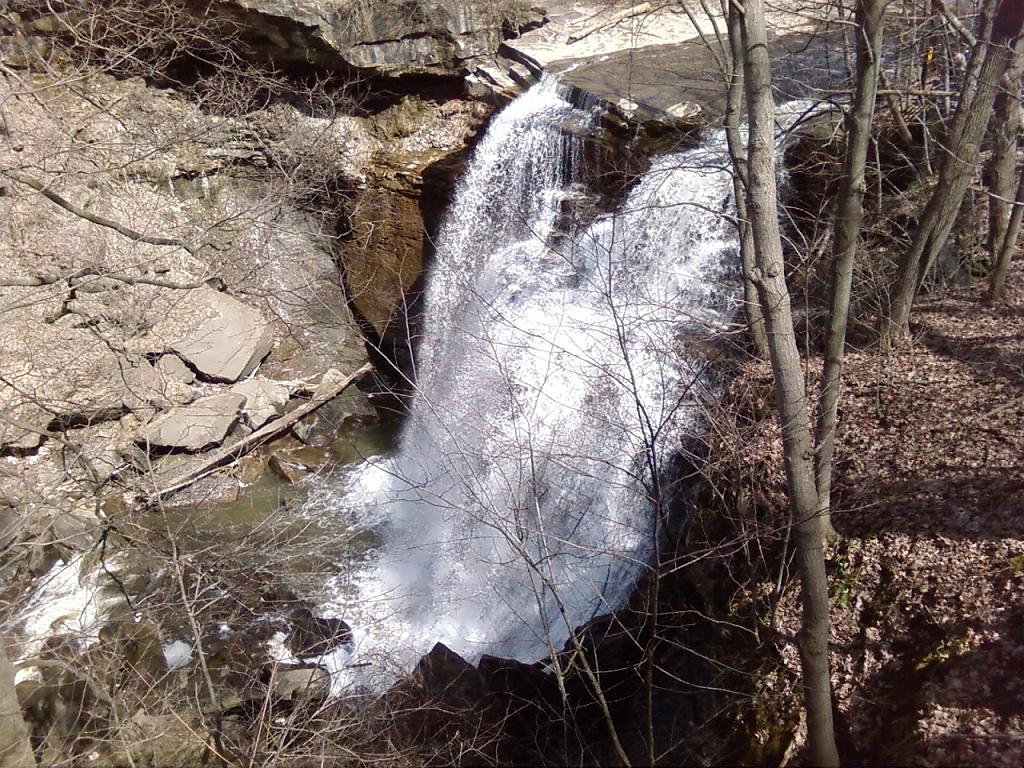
(66, 600)
(177, 654)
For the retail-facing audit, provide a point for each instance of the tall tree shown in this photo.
(768, 274)
(957, 165)
(848, 216)
(1001, 170)
(997, 283)
(733, 111)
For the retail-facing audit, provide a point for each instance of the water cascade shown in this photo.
(554, 384)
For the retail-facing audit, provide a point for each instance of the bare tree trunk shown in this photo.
(957, 166)
(1002, 168)
(734, 107)
(997, 284)
(849, 212)
(15, 747)
(798, 446)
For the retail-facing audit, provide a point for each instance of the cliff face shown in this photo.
(382, 37)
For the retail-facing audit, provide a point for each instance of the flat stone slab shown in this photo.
(264, 400)
(230, 344)
(557, 41)
(580, 30)
(682, 83)
(194, 427)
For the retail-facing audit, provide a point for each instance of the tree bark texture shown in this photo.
(1002, 167)
(997, 283)
(798, 447)
(848, 215)
(733, 111)
(956, 169)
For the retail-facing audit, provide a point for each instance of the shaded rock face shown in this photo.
(315, 636)
(382, 37)
(386, 239)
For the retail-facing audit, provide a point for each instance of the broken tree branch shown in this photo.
(182, 477)
(67, 205)
(52, 279)
(954, 22)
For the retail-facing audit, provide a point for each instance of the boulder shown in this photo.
(231, 344)
(321, 428)
(301, 682)
(22, 432)
(143, 386)
(171, 368)
(197, 426)
(294, 464)
(314, 636)
(264, 400)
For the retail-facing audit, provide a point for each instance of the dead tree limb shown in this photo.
(954, 22)
(37, 280)
(67, 205)
(182, 477)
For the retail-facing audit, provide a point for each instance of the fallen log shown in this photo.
(183, 475)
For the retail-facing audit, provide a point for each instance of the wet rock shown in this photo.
(491, 85)
(525, 682)
(301, 682)
(231, 344)
(249, 469)
(293, 465)
(320, 428)
(314, 431)
(287, 470)
(442, 698)
(264, 400)
(384, 258)
(314, 636)
(194, 427)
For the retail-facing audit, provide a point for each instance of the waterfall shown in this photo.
(554, 381)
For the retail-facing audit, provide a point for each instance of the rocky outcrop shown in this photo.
(114, 349)
(382, 37)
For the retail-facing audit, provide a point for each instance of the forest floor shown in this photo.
(927, 575)
(931, 505)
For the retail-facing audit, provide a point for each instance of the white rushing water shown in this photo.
(553, 380)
